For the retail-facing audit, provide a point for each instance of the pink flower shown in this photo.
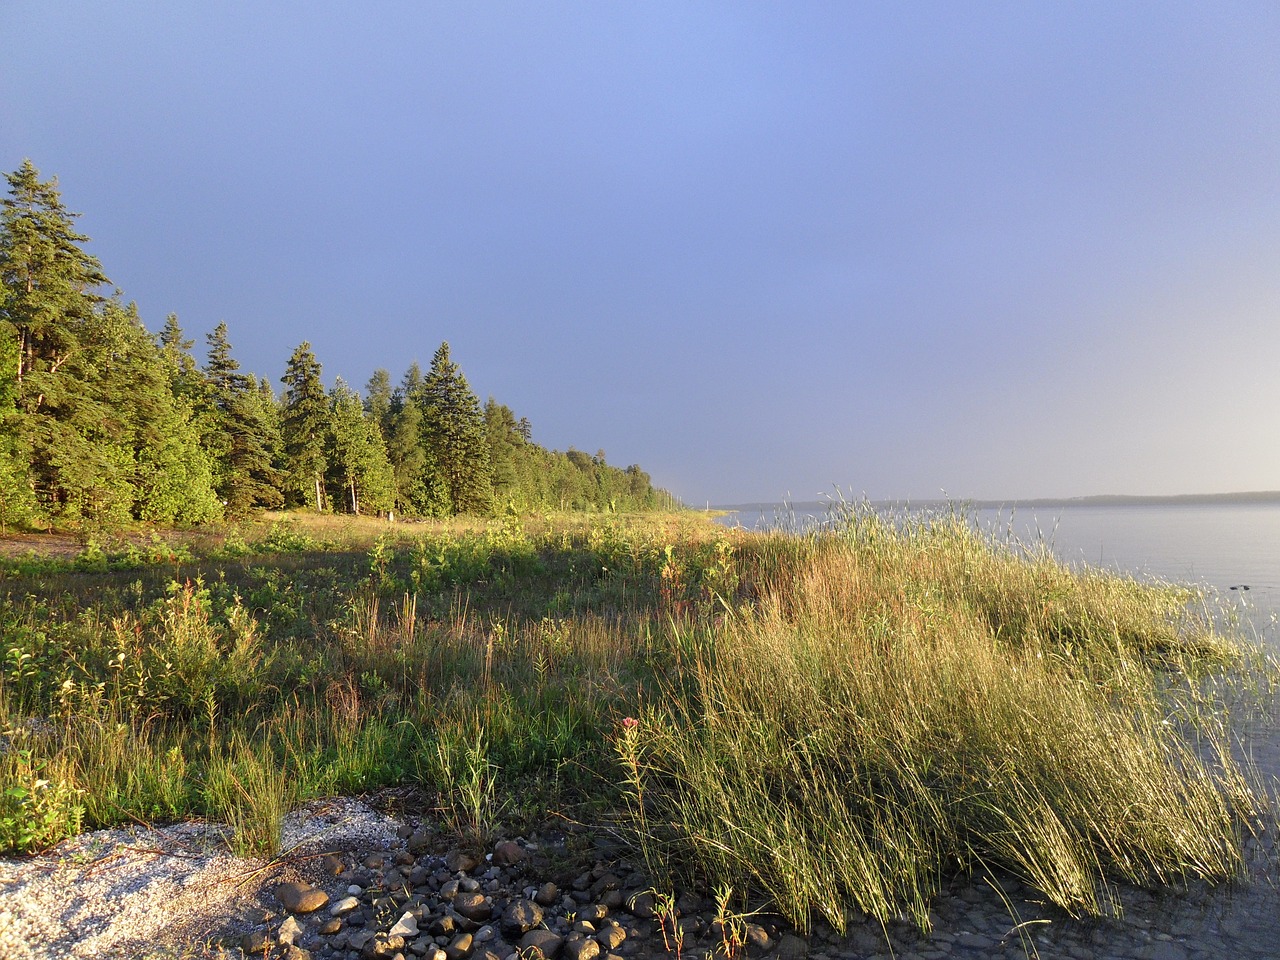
(630, 723)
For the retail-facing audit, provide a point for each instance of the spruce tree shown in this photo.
(454, 437)
(241, 432)
(360, 474)
(304, 428)
(50, 283)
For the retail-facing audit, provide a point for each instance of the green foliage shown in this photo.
(304, 429)
(360, 475)
(453, 436)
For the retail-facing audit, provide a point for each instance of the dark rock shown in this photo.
(641, 905)
(381, 947)
(611, 937)
(360, 939)
(255, 941)
(332, 864)
(507, 852)
(443, 926)
(460, 947)
(459, 862)
(546, 894)
(584, 949)
(330, 926)
(301, 897)
(520, 917)
(758, 939)
(542, 942)
(419, 842)
(594, 912)
(791, 947)
(473, 906)
(292, 951)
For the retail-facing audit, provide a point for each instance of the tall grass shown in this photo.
(827, 722)
(906, 700)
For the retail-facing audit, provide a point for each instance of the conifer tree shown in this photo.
(378, 398)
(241, 433)
(454, 437)
(304, 428)
(361, 476)
(49, 282)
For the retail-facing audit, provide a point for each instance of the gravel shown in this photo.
(127, 892)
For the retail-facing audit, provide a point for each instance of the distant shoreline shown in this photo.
(1098, 500)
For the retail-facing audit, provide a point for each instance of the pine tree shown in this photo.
(454, 438)
(304, 427)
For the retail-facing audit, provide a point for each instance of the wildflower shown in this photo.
(630, 723)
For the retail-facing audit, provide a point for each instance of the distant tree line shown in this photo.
(102, 422)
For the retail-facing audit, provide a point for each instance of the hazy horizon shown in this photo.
(761, 250)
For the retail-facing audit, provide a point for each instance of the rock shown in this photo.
(583, 949)
(330, 926)
(301, 897)
(791, 947)
(641, 905)
(255, 941)
(443, 926)
(507, 852)
(406, 926)
(345, 905)
(294, 952)
(459, 947)
(418, 842)
(759, 941)
(459, 862)
(359, 939)
(382, 948)
(594, 912)
(332, 864)
(611, 937)
(520, 917)
(546, 895)
(289, 931)
(542, 942)
(473, 906)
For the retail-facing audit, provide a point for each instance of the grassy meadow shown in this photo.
(825, 723)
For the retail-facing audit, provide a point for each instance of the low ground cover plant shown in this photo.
(826, 722)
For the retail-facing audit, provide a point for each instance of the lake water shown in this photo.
(1218, 546)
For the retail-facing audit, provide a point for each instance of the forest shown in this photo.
(103, 423)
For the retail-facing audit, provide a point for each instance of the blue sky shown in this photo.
(762, 249)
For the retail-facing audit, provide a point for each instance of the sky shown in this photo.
(764, 250)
